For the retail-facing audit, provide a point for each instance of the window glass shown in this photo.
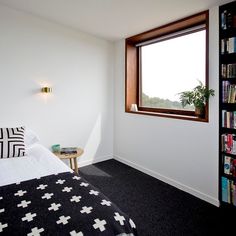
(169, 67)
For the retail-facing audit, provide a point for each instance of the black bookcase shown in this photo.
(227, 105)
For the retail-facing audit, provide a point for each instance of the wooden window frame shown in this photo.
(132, 66)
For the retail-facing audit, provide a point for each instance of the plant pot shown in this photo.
(200, 112)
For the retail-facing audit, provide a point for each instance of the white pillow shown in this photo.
(30, 138)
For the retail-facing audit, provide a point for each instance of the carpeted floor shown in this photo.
(157, 208)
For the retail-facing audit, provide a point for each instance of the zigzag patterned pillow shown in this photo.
(12, 142)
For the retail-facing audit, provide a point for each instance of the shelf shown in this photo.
(229, 79)
(228, 154)
(227, 33)
(228, 106)
(230, 177)
(227, 185)
(228, 206)
(228, 58)
(228, 130)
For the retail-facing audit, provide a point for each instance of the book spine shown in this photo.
(229, 190)
(233, 170)
(234, 194)
(234, 44)
(223, 70)
(223, 118)
(228, 119)
(231, 186)
(224, 142)
(230, 143)
(230, 45)
(233, 144)
(224, 182)
(234, 126)
(229, 20)
(227, 161)
(223, 20)
(233, 94)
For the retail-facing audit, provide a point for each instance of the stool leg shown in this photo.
(71, 165)
(76, 165)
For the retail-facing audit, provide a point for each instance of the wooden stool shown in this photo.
(72, 157)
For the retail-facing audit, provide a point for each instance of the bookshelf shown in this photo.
(227, 105)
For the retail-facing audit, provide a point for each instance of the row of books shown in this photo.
(229, 119)
(228, 20)
(228, 143)
(228, 191)
(229, 166)
(228, 70)
(228, 45)
(228, 92)
(68, 150)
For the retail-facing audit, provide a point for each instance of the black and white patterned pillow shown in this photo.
(12, 142)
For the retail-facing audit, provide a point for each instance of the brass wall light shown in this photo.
(46, 90)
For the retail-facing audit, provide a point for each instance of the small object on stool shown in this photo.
(56, 148)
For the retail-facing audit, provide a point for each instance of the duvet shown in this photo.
(61, 204)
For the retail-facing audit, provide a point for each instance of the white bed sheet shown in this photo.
(38, 162)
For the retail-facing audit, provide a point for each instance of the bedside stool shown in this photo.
(71, 157)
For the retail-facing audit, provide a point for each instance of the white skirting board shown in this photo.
(93, 161)
(172, 182)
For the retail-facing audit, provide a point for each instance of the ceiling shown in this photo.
(112, 19)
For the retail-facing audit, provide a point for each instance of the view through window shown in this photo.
(169, 67)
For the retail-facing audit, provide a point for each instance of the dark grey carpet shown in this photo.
(156, 207)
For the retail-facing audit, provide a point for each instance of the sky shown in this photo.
(172, 66)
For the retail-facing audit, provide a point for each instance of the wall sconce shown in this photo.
(46, 90)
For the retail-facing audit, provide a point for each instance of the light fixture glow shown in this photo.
(46, 90)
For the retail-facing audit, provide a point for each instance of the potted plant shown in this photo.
(197, 97)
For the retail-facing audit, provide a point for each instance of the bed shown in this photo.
(40, 195)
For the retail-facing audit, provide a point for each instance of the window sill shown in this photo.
(174, 116)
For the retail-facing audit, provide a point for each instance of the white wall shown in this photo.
(79, 112)
(180, 152)
(79, 67)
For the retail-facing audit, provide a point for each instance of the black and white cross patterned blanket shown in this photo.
(63, 204)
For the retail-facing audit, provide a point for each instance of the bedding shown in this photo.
(41, 196)
(62, 204)
(38, 162)
(30, 138)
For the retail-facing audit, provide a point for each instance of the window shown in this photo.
(164, 62)
(170, 67)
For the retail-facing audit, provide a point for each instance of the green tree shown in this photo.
(156, 102)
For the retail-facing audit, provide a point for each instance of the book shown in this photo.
(69, 150)
(223, 70)
(224, 189)
(233, 193)
(228, 45)
(234, 122)
(231, 45)
(229, 119)
(229, 190)
(223, 20)
(228, 19)
(233, 149)
(227, 164)
(223, 46)
(233, 167)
